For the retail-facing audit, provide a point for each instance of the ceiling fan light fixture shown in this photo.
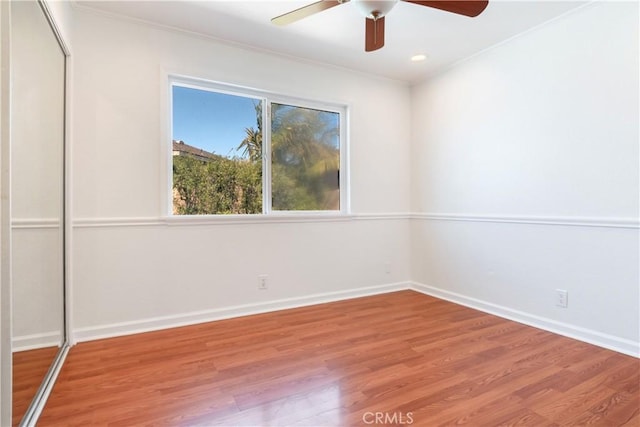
(418, 57)
(374, 9)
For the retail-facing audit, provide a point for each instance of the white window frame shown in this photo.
(267, 98)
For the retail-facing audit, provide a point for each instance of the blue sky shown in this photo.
(212, 121)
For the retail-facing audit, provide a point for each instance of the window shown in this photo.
(225, 161)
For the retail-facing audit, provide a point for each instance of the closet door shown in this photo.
(37, 202)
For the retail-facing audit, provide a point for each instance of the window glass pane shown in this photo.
(305, 158)
(217, 153)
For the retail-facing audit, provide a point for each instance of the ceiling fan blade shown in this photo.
(374, 34)
(468, 8)
(303, 12)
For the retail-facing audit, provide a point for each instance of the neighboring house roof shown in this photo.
(182, 149)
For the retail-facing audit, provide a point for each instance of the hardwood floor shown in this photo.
(29, 369)
(395, 359)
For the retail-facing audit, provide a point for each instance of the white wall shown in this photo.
(525, 175)
(131, 266)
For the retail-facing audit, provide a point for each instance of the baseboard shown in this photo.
(165, 322)
(610, 342)
(36, 341)
(600, 339)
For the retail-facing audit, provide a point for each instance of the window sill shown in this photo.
(272, 218)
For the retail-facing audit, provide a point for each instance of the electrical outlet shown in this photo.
(562, 298)
(262, 281)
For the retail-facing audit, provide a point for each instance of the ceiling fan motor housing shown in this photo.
(374, 9)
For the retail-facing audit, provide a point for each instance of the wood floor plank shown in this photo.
(620, 406)
(395, 355)
(488, 405)
(633, 422)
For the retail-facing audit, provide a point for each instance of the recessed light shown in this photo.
(419, 57)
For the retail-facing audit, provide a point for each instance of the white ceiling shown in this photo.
(336, 36)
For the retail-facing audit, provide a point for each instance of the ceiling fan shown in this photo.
(375, 11)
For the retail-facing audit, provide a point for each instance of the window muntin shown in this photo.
(237, 167)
